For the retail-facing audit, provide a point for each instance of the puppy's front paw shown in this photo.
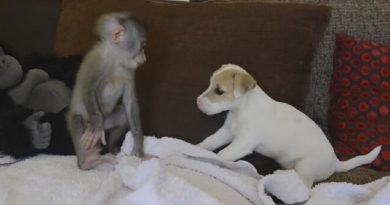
(205, 146)
(226, 155)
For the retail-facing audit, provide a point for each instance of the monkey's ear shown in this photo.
(118, 34)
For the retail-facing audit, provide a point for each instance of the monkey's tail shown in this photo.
(343, 166)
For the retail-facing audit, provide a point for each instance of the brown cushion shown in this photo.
(187, 42)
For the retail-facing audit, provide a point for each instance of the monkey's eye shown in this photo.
(218, 91)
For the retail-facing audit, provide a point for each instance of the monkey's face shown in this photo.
(128, 35)
(140, 58)
(136, 60)
(227, 84)
(135, 42)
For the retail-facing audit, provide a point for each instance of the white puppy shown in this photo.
(256, 122)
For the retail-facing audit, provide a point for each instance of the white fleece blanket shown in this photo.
(374, 193)
(180, 174)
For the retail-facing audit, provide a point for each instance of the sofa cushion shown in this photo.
(187, 42)
(360, 99)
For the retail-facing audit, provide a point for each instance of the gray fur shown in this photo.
(22, 92)
(50, 97)
(130, 97)
(40, 132)
(104, 98)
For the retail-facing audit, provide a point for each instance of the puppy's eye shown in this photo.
(219, 91)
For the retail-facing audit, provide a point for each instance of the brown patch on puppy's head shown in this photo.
(243, 82)
(228, 83)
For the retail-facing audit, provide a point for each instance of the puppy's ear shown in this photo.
(242, 83)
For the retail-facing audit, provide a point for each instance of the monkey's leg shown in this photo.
(86, 159)
(117, 122)
(115, 138)
(116, 118)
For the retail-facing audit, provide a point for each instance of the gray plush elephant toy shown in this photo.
(24, 102)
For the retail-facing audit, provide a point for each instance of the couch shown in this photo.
(288, 47)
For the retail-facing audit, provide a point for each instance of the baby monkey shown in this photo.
(104, 97)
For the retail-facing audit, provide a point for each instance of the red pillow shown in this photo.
(360, 99)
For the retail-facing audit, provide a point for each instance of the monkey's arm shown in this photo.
(134, 117)
(95, 127)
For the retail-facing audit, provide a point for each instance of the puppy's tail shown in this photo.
(358, 160)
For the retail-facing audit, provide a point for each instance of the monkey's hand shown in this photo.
(138, 152)
(93, 133)
(40, 132)
(91, 137)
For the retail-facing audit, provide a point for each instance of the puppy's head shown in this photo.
(227, 84)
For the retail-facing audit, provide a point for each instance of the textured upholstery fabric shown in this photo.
(187, 42)
(360, 99)
(368, 19)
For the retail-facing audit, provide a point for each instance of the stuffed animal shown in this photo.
(21, 132)
(63, 69)
(32, 110)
